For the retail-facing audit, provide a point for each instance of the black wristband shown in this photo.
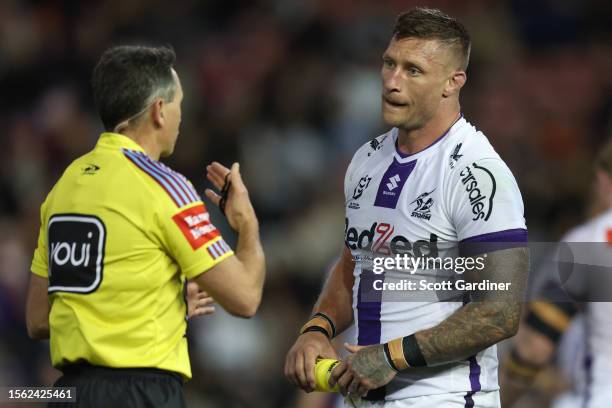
(412, 352)
(316, 329)
(331, 323)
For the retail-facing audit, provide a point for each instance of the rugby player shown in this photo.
(121, 232)
(546, 322)
(430, 183)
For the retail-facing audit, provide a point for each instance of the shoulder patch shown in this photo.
(194, 223)
(175, 184)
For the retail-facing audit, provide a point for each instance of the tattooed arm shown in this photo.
(492, 317)
(489, 319)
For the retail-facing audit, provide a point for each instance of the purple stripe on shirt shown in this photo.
(172, 176)
(474, 382)
(160, 180)
(493, 241)
(369, 304)
(392, 183)
(149, 166)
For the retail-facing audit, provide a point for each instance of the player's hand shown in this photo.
(364, 370)
(238, 208)
(198, 301)
(301, 359)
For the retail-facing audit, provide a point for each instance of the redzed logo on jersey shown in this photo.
(195, 224)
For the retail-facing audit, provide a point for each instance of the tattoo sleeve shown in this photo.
(488, 319)
(370, 363)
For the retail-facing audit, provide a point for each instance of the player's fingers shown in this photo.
(212, 196)
(354, 385)
(288, 369)
(362, 391)
(309, 368)
(300, 373)
(344, 381)
(352, 348)
(336, 373)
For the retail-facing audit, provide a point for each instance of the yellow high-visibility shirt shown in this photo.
(119, 234)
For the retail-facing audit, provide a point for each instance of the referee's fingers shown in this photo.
(218, 170)
(215, 180)
(203, 311)
(212, 196)
(237, 183)
(192, 290)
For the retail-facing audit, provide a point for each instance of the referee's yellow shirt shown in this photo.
(119, 234)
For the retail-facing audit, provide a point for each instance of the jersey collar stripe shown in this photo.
(158, 175)
(184, 182)
(177, 200)
(178, 185)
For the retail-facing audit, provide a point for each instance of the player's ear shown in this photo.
(157, 113)
(454, 83)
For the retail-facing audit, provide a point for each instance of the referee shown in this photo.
(121, 232)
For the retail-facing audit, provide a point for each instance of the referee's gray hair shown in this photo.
(129, 78)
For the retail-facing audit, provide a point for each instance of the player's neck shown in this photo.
(414, 141)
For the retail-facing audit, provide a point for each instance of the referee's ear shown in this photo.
(157, 113)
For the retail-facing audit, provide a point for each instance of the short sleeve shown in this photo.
(40, 265)
(486, 204)
(191, 238)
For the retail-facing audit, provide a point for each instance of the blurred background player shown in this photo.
(120, 232)
(411, 352)
(543, 336)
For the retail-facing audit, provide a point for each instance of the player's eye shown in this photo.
(388, 63)
(413, 71)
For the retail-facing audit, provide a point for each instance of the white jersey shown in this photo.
(457, 190)
(593, 376)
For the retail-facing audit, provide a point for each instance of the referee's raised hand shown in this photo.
(234, 199)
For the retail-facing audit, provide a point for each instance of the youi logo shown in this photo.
(76, 252)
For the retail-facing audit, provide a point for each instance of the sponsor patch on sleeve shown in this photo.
(195, 224)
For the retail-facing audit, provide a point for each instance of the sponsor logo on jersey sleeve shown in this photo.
(195, 225)
(423, 204)
(455, 156)
(376, 145)
(364, 182)
(362, 185)
(91, 169)
(480, 185)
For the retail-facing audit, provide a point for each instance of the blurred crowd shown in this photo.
(290, 89)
